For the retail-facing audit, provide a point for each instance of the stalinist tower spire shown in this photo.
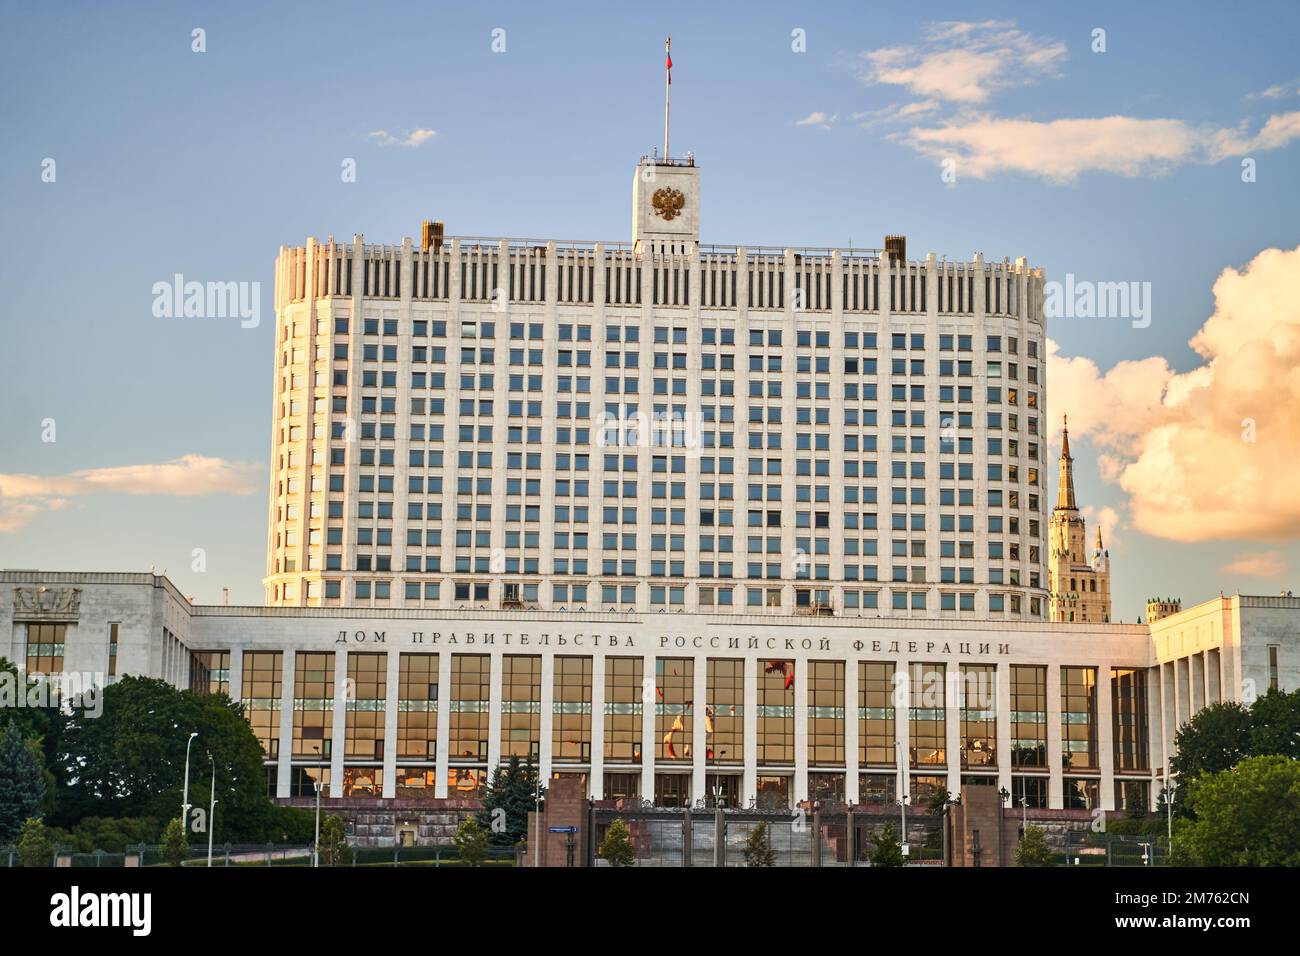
(1065, 491)
(1079, 589)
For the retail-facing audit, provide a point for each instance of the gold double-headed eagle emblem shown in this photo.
(668, 202)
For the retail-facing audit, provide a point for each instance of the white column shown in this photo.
(699, 733)
(1213, 676)
(286, 724)
(338, 716)
(1105, 737)
(802, 670)
(902, 701)
(444, 724)
(749, 783)
(495, 668)
(1006, 759)
(1162, 760)
(1155, 728)
(850, 724)
(649, 703)
(1177, 683)
(952, 693)
(597, 776)
(392, 687)
(1170, 687)
(547, 722)
(1055, 792)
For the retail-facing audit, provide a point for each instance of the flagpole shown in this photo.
(668, 86)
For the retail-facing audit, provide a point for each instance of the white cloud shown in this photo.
(1257, 564)
(1106, 518)
(1277, 92)
(412, 138)
(964, 62)
(1208, 454)
(1059, 150)
(24, 497)
(895, 112)
(960, 65)
(819, 119)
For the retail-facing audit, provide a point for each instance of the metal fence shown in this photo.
(1114, 849)
(667, 837)
(245, 855)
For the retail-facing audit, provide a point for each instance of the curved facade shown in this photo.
(658, 425)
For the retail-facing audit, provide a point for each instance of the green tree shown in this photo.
(175, 843)
(39, 725)
(22, 781)
(130, 762)
(511, 795)
(1214, 739)
(1032, 850)
(471, 842)
(114, 835)
(617, 848)
(937, 801)
(1246, 816)
(758, 847)
(1275, 725)
(334, 849)
(886, 851)
(36, 723)
(35, 847)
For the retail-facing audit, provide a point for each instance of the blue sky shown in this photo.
(173, 161)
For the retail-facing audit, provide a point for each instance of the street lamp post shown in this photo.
(1024, 796)
(315, 845)
(320, 776)
(185, 797)
(537, 814)
(212, 805)
(1170, 787)
(902, 795)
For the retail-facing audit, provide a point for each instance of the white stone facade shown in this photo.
(1225, 649)
(903, 478)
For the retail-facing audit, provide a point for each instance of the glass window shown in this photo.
(926, 718)
(624, 707)
(776, 714)
(571, 710)
(674, 719)
(1129, 718)
(1079, 717)
(417, 709)
(366, 705)
(826, 718)
(313, 704)
(1028, 716)
(261, 697)
(978, 703)
(876, 714)
(724, 719)
(470, 683)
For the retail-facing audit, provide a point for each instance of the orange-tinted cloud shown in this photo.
(1207, 454)
(23, 497)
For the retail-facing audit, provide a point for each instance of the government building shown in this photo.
(689, 524)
